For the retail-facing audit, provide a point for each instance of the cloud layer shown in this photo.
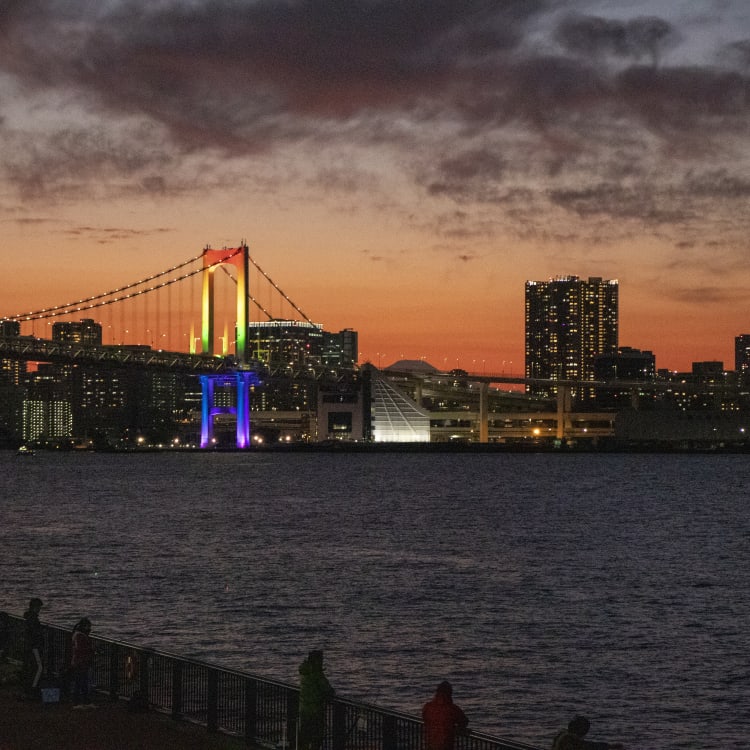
(484, 103)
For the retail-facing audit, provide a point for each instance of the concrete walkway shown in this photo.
(28, 725)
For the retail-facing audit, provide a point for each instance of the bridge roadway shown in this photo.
(34, 349)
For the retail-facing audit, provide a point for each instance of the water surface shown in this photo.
(540, 585)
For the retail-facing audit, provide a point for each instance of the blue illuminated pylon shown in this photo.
(243, 380)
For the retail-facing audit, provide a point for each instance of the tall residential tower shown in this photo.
(568, 322)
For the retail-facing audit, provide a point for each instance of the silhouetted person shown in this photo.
(33, 648)
(442, 719)
(81, 661)
(572, 738)
(314, 693)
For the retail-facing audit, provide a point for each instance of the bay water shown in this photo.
(541, 585)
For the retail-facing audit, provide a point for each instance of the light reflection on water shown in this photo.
(540, 585)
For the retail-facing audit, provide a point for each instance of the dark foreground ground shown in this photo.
(28, 725)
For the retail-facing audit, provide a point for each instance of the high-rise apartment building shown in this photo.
(569, 322)
(742, 358)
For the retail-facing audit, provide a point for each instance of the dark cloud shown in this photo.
(105, 235)
(634, 39)
(30, 221)
(472, 175)
(232, 73)
(242, 76)
(621, 202)
(736, 54)
(154, 185)
(718, 184)
(706, 294)
(686, 99)
(481, 95)
(70, 158)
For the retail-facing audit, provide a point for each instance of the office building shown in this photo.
(286, 345)
(12, 371)
(340, 349)
(625, 364)
(85, 331)
(624, 369)
(10, 328)
(298, 354)
(569, 322)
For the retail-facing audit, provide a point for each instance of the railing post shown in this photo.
(339, 726)
(389, 733)
(212, 709)
(176, 689)
(144, 677)
(292, 713)
(115, 657)
(48, 657)
(251, 710)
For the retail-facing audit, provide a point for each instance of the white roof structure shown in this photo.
(395, 417)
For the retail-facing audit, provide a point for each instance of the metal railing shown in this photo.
(262, 711)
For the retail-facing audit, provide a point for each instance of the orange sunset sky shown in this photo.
(400, 167)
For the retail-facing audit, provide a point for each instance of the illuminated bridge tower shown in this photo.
(243, 378)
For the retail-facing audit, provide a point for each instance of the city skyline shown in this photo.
(402, 168)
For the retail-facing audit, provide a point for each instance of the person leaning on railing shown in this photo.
(314, 693)
(443, 719)
(572, 738)
(33, 648)
(81, 662)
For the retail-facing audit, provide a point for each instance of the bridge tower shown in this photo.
(212, 260)
(243, 378)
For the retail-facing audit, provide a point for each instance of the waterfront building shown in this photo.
(12, 398)
(344, 408)
(10, 328)
(568, 322)
(298, 354)
(46, 412)
(626, 364)
(286, 346)
(12, 370)
(742, 358)
(707, 386)
(340, 349)
(668, 424)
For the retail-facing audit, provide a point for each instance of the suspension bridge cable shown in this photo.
(99, 300)
(280, 291)
(249, 296)
(37, 314)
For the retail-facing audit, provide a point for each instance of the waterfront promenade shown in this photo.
(31, 725)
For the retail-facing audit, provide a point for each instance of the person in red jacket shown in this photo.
(81, 662)
(442, 719)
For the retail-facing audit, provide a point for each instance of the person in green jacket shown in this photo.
(314, 693)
